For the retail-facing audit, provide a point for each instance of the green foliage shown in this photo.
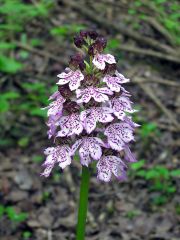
(26, 235)
(37, 158)
(168, 17)
(159, 178)
(15, 14)
(12, 215)
(112, 44)
(66, 29)
(132, 214)
(9, 65)
(148, 129)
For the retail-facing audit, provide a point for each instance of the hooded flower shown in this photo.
(93, 115)
(55, 108)
(70, 125)
(118, 135)
(120, 106)
(114, 83)
(89, 148)
(108, 165)
(72, 77)
(100, 60)
(99, 94)
(60, 155)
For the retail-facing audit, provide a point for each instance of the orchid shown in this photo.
(89, 117)
(72, 77)
(99, 94)
(100, 60)
(93, 115)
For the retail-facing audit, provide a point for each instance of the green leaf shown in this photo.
(26, 234)
(113, 44)
(23, 142)
(37, 158)
(175, 173)
(13, 216)
(9, 65)
(4, 105)
(2, 210)
(38, 112)
(11, 95)
(138, 165)
(5, 45)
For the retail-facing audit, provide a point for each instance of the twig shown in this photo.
(39, 52)
(148, 52)
(156, 80)
(118, 28)
(157, 101)
(156, 25)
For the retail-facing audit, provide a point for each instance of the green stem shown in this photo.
(83, 203)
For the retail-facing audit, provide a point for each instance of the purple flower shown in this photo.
(70, 125)
(90, 149)
(114, 83)
(91, 116)
(55, 108)
(100, 60)
(52, 124)
(129, 156)
(108, 165)
(72, 77)
(99, 94)
(120, 106)
(60, 155)
(118, 135)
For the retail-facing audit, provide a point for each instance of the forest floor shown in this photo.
(144, 207)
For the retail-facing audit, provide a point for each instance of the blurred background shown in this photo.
(36, 40)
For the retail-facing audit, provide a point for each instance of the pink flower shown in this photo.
(114, 83)
(52, 124)
(100, 60)
(60, 155)
(90, 149)
(72, 77)
(118, 135)
(91, 116)
(129, 156)
(70, 125)
(120, 106)
(99, 94)
(55, 108)
(108, 165)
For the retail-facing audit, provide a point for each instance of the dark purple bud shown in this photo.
(75, 60)
(93, 34)
(91, 50)
(110, 68)
(100, 44)
(65, 91)
(83, 33)
(71, 107)
(82, 65)
(79, 41)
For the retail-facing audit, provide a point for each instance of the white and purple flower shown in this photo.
(108, 165)
(99, 94)
(72, 77)
(120, 106)
(114, 83)
(100, 60)
(91, 116)
(60, 155)
(89, 149)
(119, 134)
(70, 125)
